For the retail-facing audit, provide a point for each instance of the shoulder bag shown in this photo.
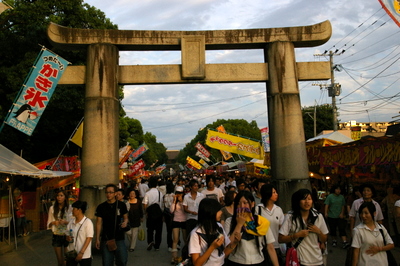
(391, 259)
(72, 254)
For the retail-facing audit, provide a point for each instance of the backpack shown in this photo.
(154, 210)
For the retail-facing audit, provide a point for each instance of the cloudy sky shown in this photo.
(369, 68)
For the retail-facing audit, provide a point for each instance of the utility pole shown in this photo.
(334, 89)
(333, 94)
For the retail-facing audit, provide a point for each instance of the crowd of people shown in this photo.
(226, 221)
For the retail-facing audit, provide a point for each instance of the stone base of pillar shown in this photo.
(286, 188)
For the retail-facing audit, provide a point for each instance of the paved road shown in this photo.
(36, 250)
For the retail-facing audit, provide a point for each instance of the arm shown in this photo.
(341, 215)
(397, 212)
(200, 260)
(99, 224)
(272, 254)
(352, 221)
(356, 255)
(83, 249)
(292, 237)
(326, 210)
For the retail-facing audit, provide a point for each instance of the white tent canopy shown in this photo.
(336, 136)
(11, 163)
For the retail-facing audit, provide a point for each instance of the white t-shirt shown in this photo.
(397, 203)
(275, 218)
(308, 251)
(364, 238)
(356, 205)
(246, 252)
(213, 194)
(197, 245)
(85, 227)
(154, 196)
(192, 204)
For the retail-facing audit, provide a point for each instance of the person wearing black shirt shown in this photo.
(112, 216)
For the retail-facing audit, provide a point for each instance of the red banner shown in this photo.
(203, 150)
(136, 167)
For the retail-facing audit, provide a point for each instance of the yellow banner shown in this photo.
(242, 146)
(193, 163)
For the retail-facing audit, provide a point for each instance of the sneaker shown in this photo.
(334, 244)
(169, 249)
(156, 249)
(345, 245)
(150, 246)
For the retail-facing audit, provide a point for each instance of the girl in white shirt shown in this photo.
(209, 244)
(59, 216)
(368, 241)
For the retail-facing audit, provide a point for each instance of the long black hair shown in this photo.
(299, 195)
(266, 193)
(207, 215)
(242, 194)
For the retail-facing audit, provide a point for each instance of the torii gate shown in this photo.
(102, 75)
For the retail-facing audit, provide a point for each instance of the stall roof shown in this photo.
(12, 164)
(336, 136)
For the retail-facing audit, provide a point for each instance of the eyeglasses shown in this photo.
(110, 192)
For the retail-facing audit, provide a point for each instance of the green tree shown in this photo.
(324, 115)
(22, 29)
(239, 127)
(156, 153)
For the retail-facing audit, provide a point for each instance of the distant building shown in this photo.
(376, 129)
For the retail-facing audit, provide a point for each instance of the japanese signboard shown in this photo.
(203, 150)
(35, 94)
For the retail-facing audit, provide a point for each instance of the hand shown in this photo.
(217, 242)
(373, 250)
(303, 233)
(341, 216)
(313, 228)
(79, 257)
(241, 216)
(124, 224)
(98, 244)
(68, 238)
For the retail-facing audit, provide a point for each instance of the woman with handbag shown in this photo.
(80, 247)
(371, 240)
(135, 216)
(252, 232)
(178, 223)
(305, 229)
(59, 216)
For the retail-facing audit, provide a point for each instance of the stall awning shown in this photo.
(12, 164)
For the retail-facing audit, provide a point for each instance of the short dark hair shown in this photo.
(80, 205)
(266, 193)
(370, 186)
(113, 186)
(153, 181)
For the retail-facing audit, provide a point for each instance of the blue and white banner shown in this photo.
(35, 94)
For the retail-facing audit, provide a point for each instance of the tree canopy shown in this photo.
(324, 115)
(22, 31)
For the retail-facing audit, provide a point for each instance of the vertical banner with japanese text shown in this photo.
(35, 94)
(265, 139)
